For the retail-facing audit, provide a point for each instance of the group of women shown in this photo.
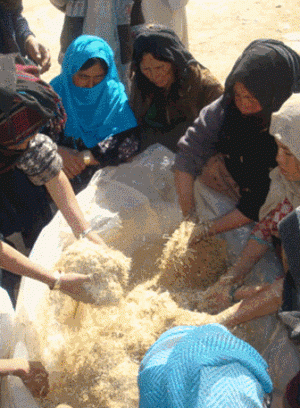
(221, 137)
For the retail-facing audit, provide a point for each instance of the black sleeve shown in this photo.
(253, 198)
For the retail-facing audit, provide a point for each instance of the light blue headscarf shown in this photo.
(95, 113)
(202, 367)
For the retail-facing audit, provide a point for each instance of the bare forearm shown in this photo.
(12, 366)
(16, 262)
(63, 195)
(234, 219)
(264, 303)
(250, 255)
(185, 190)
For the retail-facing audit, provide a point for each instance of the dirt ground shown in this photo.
(219, 30)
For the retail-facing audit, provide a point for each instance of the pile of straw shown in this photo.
(108, 268)
(99, 362)
(94, 355)
(189, 265)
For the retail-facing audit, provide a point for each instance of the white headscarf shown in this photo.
(285, 127)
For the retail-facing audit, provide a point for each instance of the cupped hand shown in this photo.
(73, 163)
(38, 53)
(200, 231)
(73, 284)
(34, 376)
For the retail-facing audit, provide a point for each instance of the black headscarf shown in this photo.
(271, 73)
(164, 45)
(270, 70)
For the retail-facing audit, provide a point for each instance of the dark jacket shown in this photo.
(244, 140)
(14, 30)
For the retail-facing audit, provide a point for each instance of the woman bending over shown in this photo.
(168, 87)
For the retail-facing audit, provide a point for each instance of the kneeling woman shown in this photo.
(101, 129)
(169, 87)
(282, 199)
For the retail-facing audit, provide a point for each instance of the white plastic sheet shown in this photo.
(133, 204)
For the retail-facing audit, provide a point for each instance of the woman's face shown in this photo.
(89, 77)
(160, 73)
(246, 103)
(287, 163)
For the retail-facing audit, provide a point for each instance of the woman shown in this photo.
(203, 366)
(27, 106)
(237, 127)
(111, 20)
(282, 199)
(169, 87)
(101, 129)
(240, 302)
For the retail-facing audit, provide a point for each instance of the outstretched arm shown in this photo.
(219, 296)
(63, 195)
(232, 220)
(71, 284)
(185, 190)
(263, 303)
(32, 373)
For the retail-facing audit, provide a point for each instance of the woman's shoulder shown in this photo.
(56, 84)
(201, 87)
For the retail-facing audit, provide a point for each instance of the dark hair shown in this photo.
(93, 61)
(164, 45)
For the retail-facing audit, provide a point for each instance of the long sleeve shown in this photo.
(198, 144)
(40, 162)
(22, 30)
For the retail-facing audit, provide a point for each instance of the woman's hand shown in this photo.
(73, 285)
(222, 294)
(245, 292)
(217, 297)
(38, 53)
(34, 376)
(73, 163)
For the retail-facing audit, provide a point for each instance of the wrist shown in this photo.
(83, 233)
(19, 367)
(87, 157)
(29, 39)
(55, 284)
(232, 291)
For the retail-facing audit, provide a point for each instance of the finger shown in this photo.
(45, 61)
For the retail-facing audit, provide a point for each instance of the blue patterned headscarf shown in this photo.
(95, 113)
(202, 367)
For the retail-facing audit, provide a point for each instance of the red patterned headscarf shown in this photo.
(27, 104)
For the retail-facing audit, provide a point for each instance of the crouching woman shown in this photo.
(29, 106)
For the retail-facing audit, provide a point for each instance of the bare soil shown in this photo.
(219, 30)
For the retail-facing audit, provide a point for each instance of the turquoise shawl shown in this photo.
(94, 114)
(202, 367)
